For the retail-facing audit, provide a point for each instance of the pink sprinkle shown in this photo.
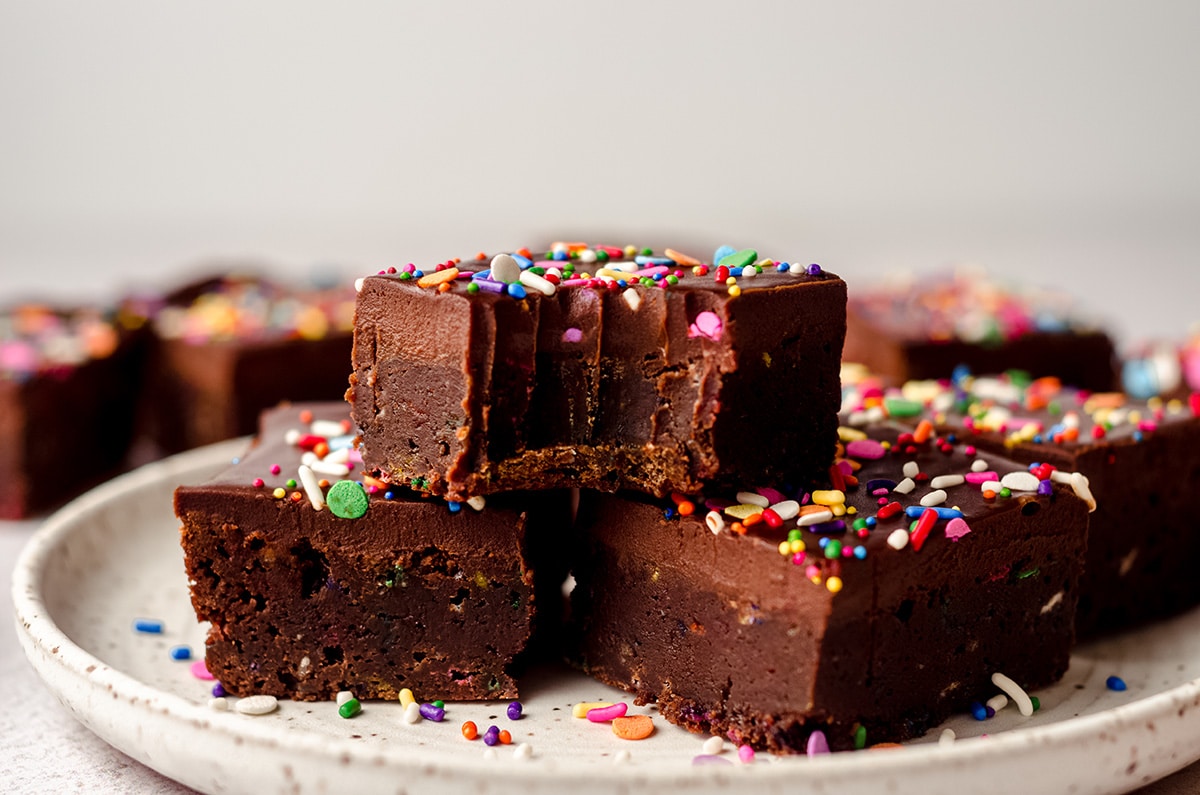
(1146, 426)
(576, 282)
(706, 324)
(969, 449)
(745, 754)
(572, 334)
(605, 714)
(258, 483)
(956, 528)
(200, 671)
(772, 495)
(817, 744)
(865, 448)
(275, 469)
(981, 477)
(663, 269)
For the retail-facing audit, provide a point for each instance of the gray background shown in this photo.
(1053, 143)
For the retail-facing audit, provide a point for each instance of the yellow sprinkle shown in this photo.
(743, 511)
(406, 698)
(850, 434)
(580, 710)
(838, 510)
(279, 494)
(785, 548)
(734, 291)
(851, 510)
(796, 546)
(834, 584)
(829, 497)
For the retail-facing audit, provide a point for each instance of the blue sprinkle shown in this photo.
(454, 507)
(721, 253)
(822, 541)
(622, 283)
(149, 626)
(782, 267)
(978, 711)
(236, 461)
(860, 552)
(524, 262)
(735, 271)
(872, 521)
(960, 374)
(418, 274)
(516, 290)
(669, 513)
(1115, 683)
(559, 256)
(915, 511)
(646, 261)
(952, 438)
(1037, 438)
(1138, 436)
(181, 653)
(389, 495)
(658, 277)
(487, 274)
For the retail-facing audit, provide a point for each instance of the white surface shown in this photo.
(113, 556)
(1055, 142)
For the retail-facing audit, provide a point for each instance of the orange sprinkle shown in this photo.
(884, 746)
(752, 519)
(812, 508)
(682, 259)
(1071, 434)
(297, 496)
(469, 729)
(524, 252)
(739, 528)
(438, 277)
(923, 431)
(306, 416)
(505, 736)
(480, 255)
(376, 482)
(321, 449)
(633, 727)
(988, 494)
(686, 508)
(323, 483)
(444, 287)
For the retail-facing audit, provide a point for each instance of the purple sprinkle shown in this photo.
(218, 690)
(817, 744)
(430, 712)
(814, 269)
(514, 710)
(491, 736)
(1045, 488)
(572, 335)
(491, 286)
(710, 759)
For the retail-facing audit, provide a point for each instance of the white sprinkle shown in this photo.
(305, 666)
(933, 498)
(946, 481)
(998, 702)
(538, 283)
(911, 470)
(358, 283)
(749, 273)
(326, 428)
(990, 485)
(331, 469)
(308, 458)
(752, 498)
(218, 704)
(905, 486)
(312, 488)
(587, 255)
(979, 465)
(1054, 602)
(714, 522)
(523, 751)
(898, 539)
(1083, 490)
(489, 753)
(339, 456)
(291, 437)
(632, 298)
(947, 737)
(477, 502)
(788, 509)
(713, 746)
(1020, 481)
(412, 713)
(505, 269)
(343, 696)
(1014, 691)
(622, 757)
(816, 517)
(256, 705)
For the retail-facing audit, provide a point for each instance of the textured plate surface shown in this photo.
(113, 556)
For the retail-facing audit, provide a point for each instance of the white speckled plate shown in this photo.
(113, 556)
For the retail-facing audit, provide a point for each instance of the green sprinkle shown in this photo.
(405, 276)
(1028, 573)
(1005, 493)
(833, 550)
(440, 704)
(540, 271)
(647, 252)
(351, 707)
(899, 407)
(472, 287)
(601, 256)
(1036, 703)
(347, 499)
(739, 259)
(291, 483)
(672, 279)
(859, 523)
(860, 737)
(794, 534)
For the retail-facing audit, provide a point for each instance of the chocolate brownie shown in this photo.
(856, 610)
(230, 346)
(314, 583)
(928, 327)
(1139, 457)
(597, 368)
(69, 380)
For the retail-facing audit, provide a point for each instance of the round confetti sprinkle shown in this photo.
(257, 705)
(346, 499)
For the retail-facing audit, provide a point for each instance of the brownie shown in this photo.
(763, 632)
(597, 370)
(1140, 458)
(941, 321)
(69, 380)
(230, 346)
(378, 590)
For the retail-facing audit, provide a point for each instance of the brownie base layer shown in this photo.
(304, 603)
(66, 431)
(637, 387)
(729, 638)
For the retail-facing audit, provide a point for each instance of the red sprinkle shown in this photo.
(1194, 403)
(771, 518)
(928, 519)
(309, 442)
(890, 510)
(836, 479)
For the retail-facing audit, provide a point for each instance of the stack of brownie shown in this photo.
(758, 570)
